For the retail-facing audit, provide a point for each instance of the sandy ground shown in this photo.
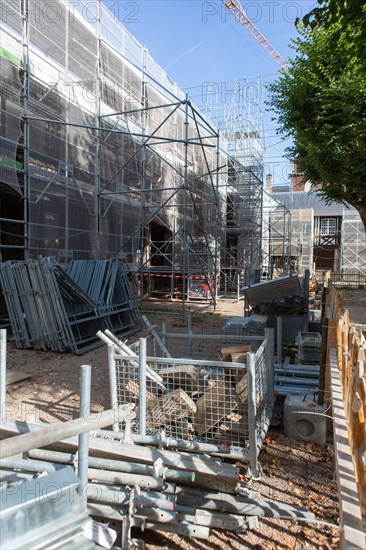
(293, 472)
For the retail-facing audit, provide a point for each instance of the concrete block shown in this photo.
(304, 419)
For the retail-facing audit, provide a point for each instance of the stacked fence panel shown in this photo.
(48, 309)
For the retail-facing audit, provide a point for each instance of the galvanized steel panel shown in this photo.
(268, 291)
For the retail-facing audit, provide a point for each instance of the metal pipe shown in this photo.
(58, 432)
(148, 137)
(142, 387)
(190, 332)
(110, 339)
(109, 495)
(109, 464)
(252, 413)
(181, 528)
(112, 382)
(149, 502)
(162, 516)
(197, 362)
(85, 396)
(156, 336)
(29, 465)
(168, 442)
(118, 113)
(165, 330)
(279, 340)
(177, 461)
(2, 375)
(214, 337)
(122, 478)
(97, 492)
(114, 512)
(185, 204)
(243, 506)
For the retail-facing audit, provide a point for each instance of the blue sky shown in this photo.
(199, 41)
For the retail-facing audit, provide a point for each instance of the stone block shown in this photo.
(304, 419)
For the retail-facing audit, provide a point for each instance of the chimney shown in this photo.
(269, 180)
(297, 181)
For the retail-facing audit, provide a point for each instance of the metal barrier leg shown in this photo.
(112, 382)
(142, 384)
(165, 329)
(252, 425)
(2, 375)
(190, 332)
(279, 340)
(85, 396)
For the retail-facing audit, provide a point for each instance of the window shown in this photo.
(328, 226)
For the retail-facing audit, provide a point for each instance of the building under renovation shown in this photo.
(103, 155)
(323, 236)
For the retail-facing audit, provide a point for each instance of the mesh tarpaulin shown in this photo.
(93, 178)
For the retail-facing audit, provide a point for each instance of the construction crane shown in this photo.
(239, 13)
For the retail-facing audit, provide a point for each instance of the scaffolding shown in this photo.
(276, 239)
(236, 109)
(241, 263)
(353, 243)
(103, 155)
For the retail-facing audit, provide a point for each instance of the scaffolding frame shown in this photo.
(156, 167)
(276, 239)
(241, 264)
(257, 235)
(193, 253)
(353, 243)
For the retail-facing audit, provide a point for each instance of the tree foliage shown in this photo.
(347, 13)
(321, 102)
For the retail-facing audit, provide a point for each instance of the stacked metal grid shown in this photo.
(49, 310)
(106, 282)
(309, 344)
(269, 291)
(246, 326)
(221, 402)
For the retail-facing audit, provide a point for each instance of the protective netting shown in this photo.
(94, 182)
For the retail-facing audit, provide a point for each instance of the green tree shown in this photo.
(321, 102)
(345, 12)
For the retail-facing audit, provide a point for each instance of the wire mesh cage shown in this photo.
(225, 403)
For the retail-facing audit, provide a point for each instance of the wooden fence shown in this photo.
(351, 279)
(347, 346)
(351, 363)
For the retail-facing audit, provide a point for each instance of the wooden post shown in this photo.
(323, 361)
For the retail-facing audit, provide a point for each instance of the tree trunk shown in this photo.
(361, 209)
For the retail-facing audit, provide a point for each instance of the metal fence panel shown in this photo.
(214, 402)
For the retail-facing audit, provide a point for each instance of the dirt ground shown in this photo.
(293, 472)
